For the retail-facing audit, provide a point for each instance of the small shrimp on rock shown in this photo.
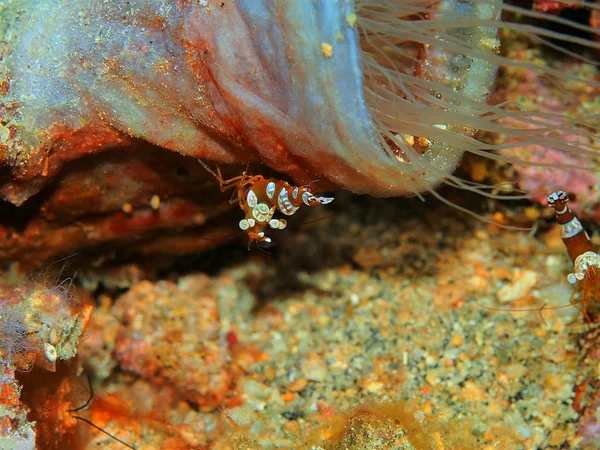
(260, 197)
(586, 260)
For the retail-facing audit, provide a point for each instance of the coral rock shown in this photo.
(173, 338)
(40, 323)
(16, 432)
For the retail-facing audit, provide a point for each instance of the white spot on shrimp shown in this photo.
(307, 197)
(284, 204)
(251, 199)
(324, 200)
(262, 212)
(270, 189)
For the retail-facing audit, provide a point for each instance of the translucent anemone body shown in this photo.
(379, 97)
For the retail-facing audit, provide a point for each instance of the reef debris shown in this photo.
(16, 431)
(41, 323)
(173, 338)
(108, 199)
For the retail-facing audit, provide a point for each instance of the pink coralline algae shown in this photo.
(545, 167)
(589, 424)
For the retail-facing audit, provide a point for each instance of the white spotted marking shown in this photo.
(278, 224)
(284, 204)
(251, 199)
(307, 197)
(571, 228)
(262, 212)
(251, 222)
(295, 193)
(324, 200)
(556, 196)
(270, 189)
(244, 224)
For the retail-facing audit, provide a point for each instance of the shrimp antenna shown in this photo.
(59, 260)
(79, 408)
(89, 422)
(208, 169)
(89, 400)
(539, 310)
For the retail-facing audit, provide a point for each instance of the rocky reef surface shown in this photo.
(381, 325)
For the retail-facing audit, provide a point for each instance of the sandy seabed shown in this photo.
(368, 328)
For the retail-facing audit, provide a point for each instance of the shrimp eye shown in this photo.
(266, 244)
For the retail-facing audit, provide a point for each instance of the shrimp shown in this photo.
(260, 198)
(586, 261)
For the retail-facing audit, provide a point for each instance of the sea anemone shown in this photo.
(375, 96)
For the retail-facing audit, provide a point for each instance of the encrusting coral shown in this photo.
(41, 322)
(390, 426)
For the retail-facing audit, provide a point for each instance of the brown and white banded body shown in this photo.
(261, 197)
(579, 246)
